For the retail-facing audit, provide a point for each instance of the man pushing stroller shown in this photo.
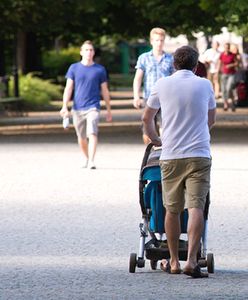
(188, 110)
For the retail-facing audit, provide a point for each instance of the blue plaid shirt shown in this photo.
(153, 69)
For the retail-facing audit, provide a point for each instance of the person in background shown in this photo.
(150, 67)
(244, 57)
(227, 65)
(239, 70)
(188, 109)
(201, 70)
(211, 57)
(235, 50)
(86, 82)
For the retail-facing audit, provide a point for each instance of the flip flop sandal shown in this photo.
(167, 268)
(176, 271)
(195, 273)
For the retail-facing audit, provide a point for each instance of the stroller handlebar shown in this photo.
(147, 153)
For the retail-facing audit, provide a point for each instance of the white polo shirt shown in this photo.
(185, 100)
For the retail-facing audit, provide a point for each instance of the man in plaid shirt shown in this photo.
(150, 67)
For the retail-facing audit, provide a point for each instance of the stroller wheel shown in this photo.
(202, 262)
(140, 263)
(132, 262)
(153, 264)
(210, 262)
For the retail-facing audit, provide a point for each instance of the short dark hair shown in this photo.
(87, 42)
(186, 57)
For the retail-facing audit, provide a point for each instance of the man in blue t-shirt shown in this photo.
(86, 82)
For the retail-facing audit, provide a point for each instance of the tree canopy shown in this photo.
(72, 19)
(126, 18)
(230, 13)
(75, 20)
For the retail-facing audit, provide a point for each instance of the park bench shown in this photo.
(7, 102)
(11, 103)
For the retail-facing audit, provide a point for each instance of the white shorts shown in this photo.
(86, 122)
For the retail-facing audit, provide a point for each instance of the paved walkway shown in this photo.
(67, 232)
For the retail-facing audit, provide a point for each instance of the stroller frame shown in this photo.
(156, 248)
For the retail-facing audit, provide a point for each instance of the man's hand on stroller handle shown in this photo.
(156, 142)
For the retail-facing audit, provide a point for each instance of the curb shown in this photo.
(115, 127)
(124, 119)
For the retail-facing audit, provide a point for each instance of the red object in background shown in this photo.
(241, 91)
(201, 70)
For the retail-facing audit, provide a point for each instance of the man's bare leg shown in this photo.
(83, 144)
(92, 148)
(173, 231)
(195, 229)
(216, 85)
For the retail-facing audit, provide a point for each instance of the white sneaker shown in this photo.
(85, 164)
(91, 165)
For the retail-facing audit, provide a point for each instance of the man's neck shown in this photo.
(157, 53)
(87, 62)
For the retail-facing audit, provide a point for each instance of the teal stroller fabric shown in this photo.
(153, 200)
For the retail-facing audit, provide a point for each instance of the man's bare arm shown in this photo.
(67, 96)
(211, 117)
(137, 82)
(149, 125)
(106, 98)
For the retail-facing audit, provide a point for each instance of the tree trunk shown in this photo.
(192, 43)
(33, 54)
(28, 52)
(21, 51)
(2, 58)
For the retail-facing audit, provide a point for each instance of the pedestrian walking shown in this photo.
(86, 83)
(211, 57)
(227, 66)
(188, 110)
(150, 67)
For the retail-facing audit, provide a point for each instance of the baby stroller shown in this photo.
(152, 226)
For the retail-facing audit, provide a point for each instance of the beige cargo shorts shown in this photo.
(185, 183)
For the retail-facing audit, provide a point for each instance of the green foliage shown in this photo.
(120, 81)
(229, 13)
(37, 92)
(43, 17)
(109, 57)
(75, 20)
(55, 64)
(91, 19)
(2, 88)
(177, 17)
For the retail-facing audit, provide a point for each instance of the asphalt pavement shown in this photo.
(67, 232)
